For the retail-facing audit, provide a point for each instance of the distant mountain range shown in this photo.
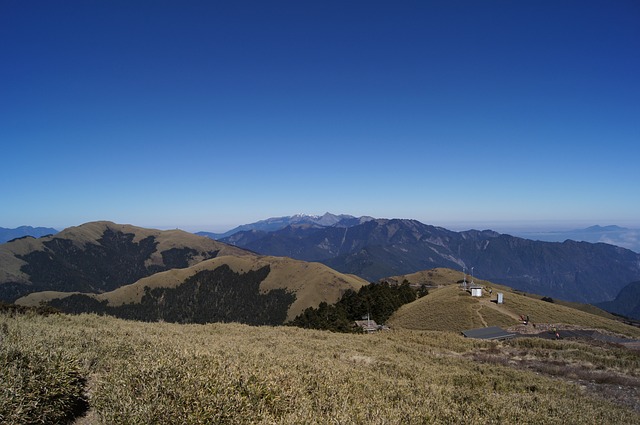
(372, 249)
(22, 231)
(627, 303)
(614, 235)
(277, 223)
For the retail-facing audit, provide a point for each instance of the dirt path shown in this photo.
(477, 309)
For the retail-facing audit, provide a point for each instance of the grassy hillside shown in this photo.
(139, 373)
(12, 253)
(431, 277)
(99, 257)
(450, 308)
(311, 283)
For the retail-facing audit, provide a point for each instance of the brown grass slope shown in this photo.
(162, 373)
(432, 277)
(312, 283)
(450, 308)
(90, 233)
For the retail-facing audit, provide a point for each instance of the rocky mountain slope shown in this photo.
(627, 303)
(573, 271)
(277, 223)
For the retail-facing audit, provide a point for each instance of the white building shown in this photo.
(476, 290)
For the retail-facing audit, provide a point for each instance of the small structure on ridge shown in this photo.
(476, 290)
(368, 325)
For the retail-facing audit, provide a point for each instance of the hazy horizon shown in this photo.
(501, 227)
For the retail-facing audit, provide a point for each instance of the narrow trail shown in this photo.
(477, 310)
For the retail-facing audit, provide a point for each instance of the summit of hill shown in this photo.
(98, 257)
(247, 289)
(450, 306)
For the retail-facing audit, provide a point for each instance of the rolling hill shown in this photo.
(148, 274)
(423, 371)
(245, 289)
(98, 257)
(451, 308)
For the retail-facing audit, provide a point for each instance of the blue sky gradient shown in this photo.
(204, 115)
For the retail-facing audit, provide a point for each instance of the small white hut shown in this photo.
(476, 290)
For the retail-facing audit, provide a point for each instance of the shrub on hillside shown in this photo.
(39, 388)
(378, 301)
(13, 309)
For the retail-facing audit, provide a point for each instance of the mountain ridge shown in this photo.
(97, 257)
(574, 271)
(611, 234)
(626, 303)
(277, 223)
(7, 234)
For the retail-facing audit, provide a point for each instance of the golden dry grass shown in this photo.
(450, 308)
(227, 373)
(436, 276)
(545, 312)
(90, 233)
(312, 283)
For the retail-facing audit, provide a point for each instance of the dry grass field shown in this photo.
(140, 373)
(449, 308)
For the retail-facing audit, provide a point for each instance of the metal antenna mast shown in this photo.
(464, 279)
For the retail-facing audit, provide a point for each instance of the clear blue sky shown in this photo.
(208, 114)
